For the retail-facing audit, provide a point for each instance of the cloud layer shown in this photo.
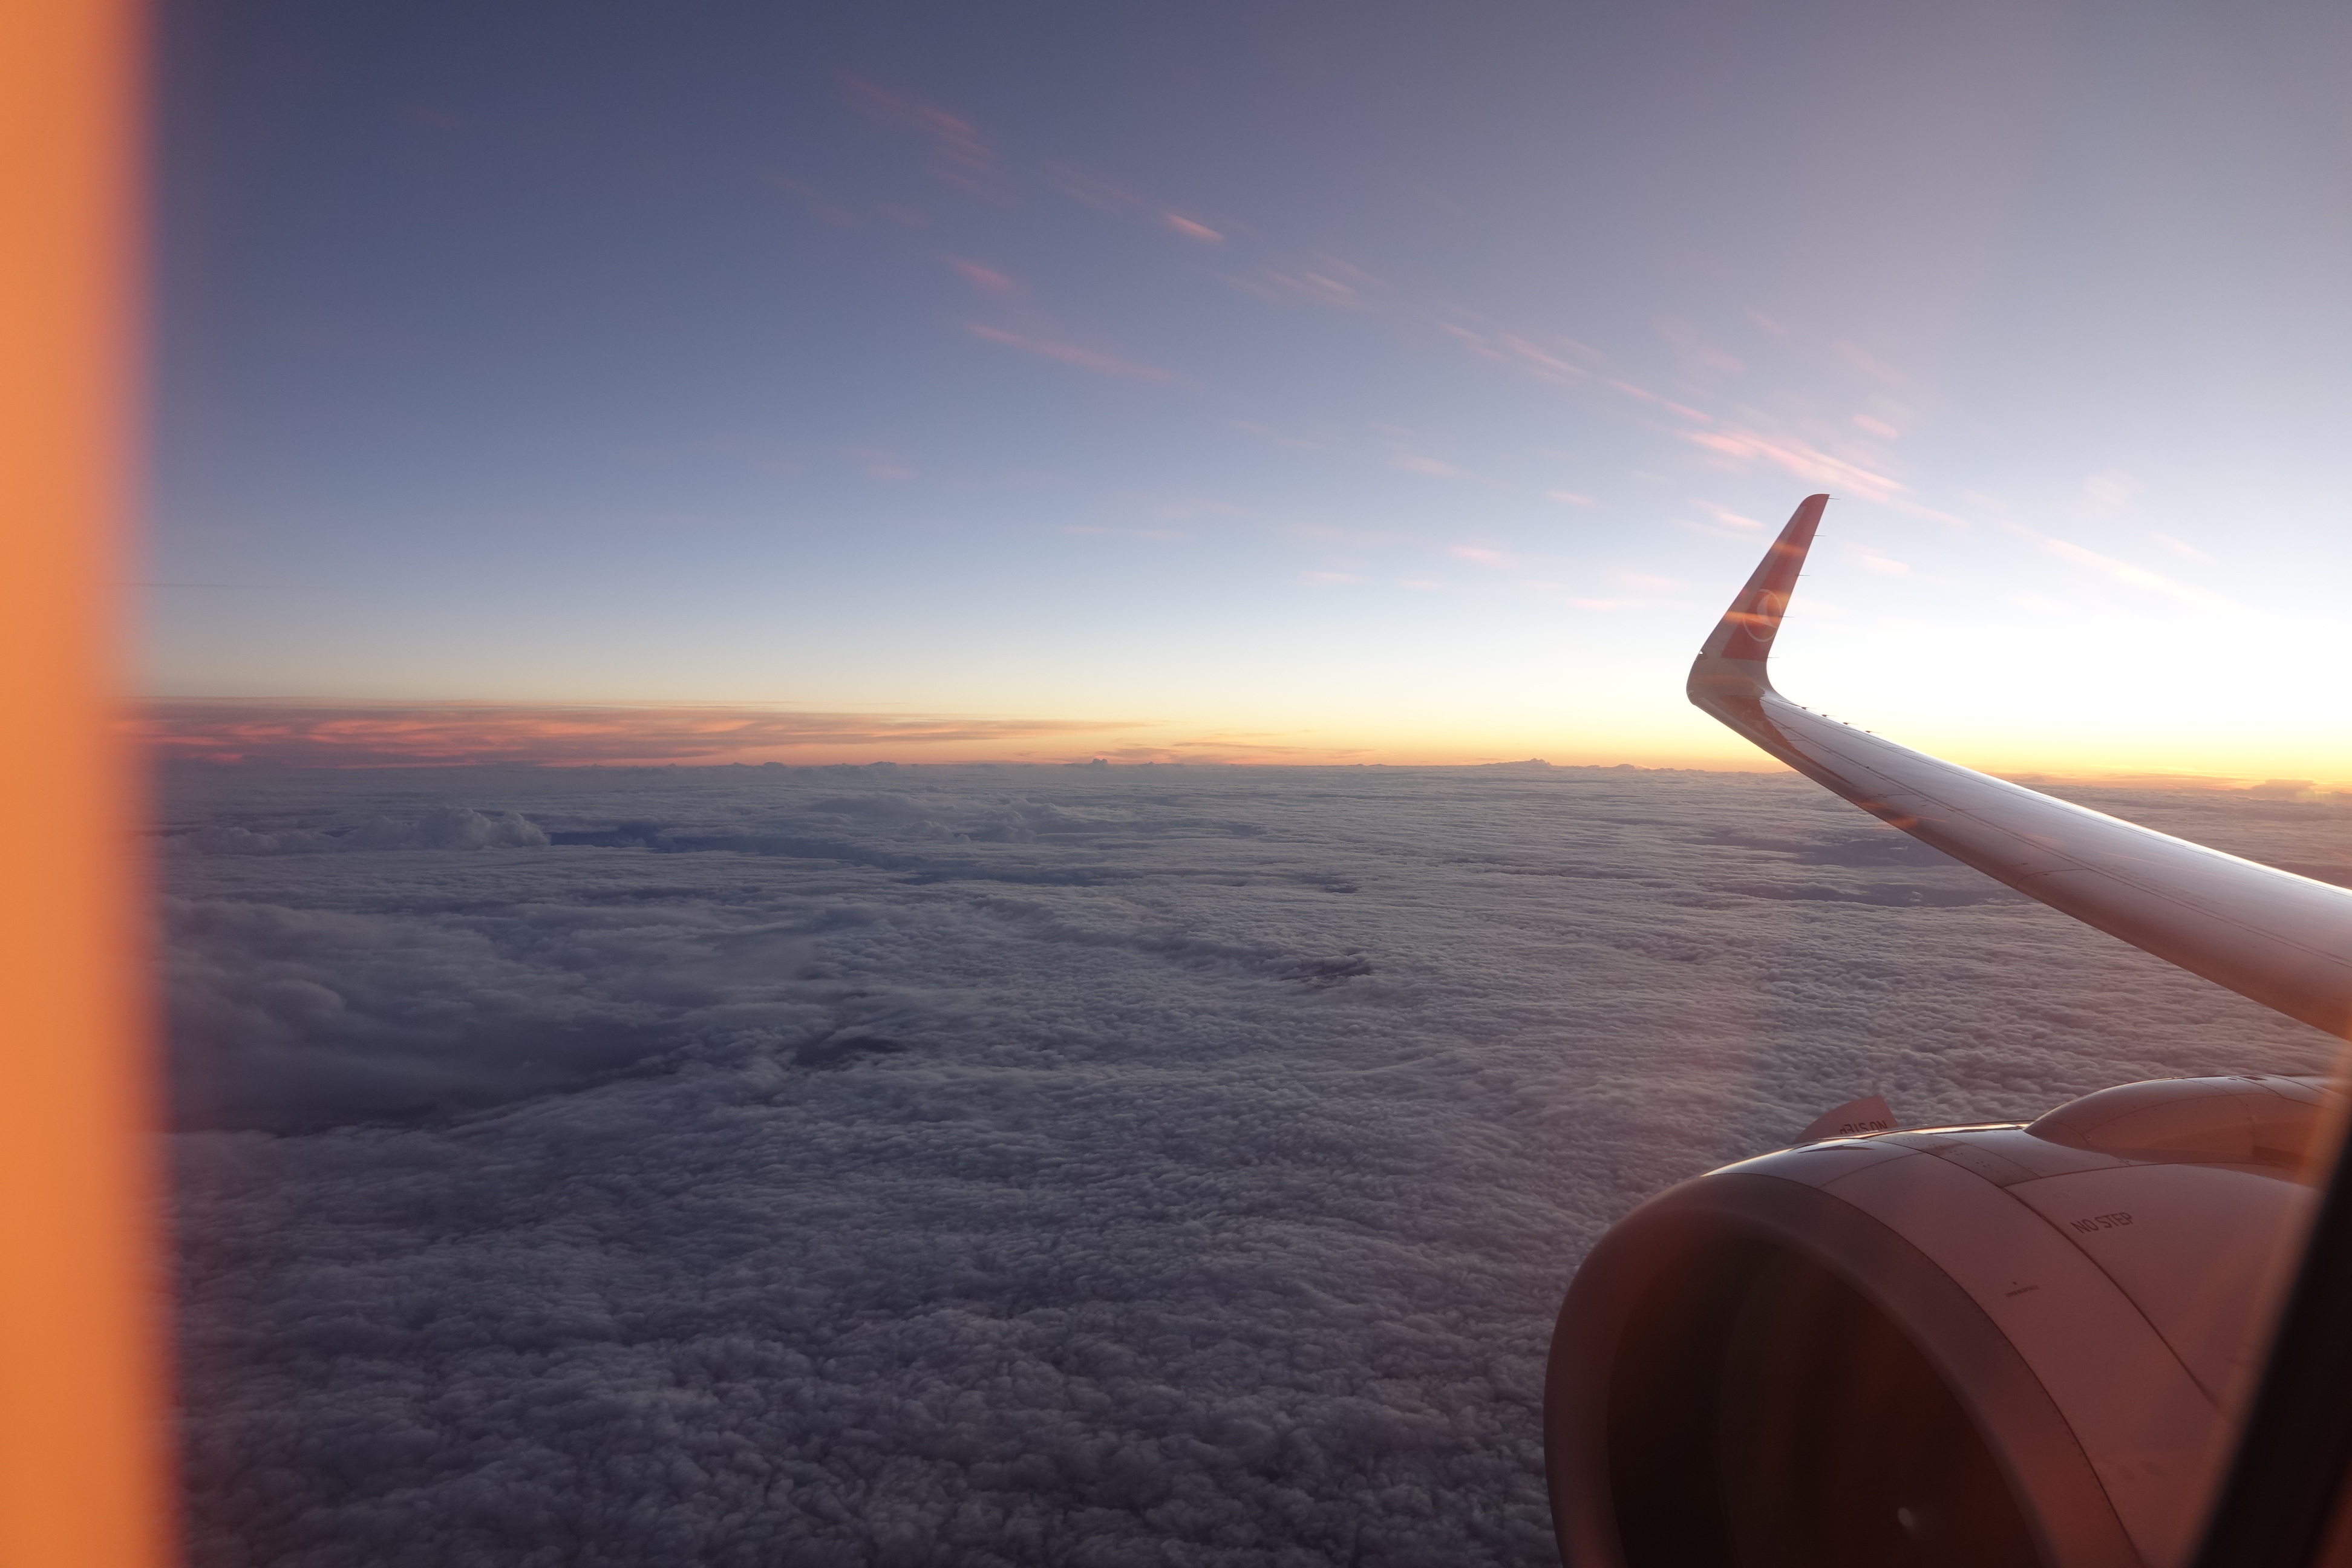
(1002, 1165)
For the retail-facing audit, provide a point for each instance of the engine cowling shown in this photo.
(1978, 1345)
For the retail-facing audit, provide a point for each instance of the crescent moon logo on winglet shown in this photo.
(1746, 631)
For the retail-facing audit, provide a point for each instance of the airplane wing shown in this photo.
(2283, 940)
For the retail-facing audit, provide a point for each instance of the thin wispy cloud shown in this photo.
(1071, 354)
(1863, 362)
(1475, 342)
(877, 463)
(1801, 458)
(1698, 356)
(1910, 508)
(2112, 486)
(2139, 577)
(1087, 190)
(1547, 364)
(817, 204)
(1099, 530)
(1643, 394)
(1479, 555)
(1321, 442)
(960, 155)
(1182, 508)
(1322, 280)
(985, 278)
(1545, 356)
(1331, 533)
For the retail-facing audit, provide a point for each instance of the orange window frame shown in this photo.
(85, 1450)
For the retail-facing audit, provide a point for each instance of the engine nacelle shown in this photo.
(1975, 1346)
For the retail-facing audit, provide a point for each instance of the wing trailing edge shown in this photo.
(2283, 940)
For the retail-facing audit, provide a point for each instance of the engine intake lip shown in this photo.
(1649, 1317)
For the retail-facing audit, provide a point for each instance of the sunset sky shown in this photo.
(1290, 382)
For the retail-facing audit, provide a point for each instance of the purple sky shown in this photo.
(1262, 381)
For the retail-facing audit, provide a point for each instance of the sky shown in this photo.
(1265, 382)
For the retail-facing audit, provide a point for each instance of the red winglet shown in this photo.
(1746, 628)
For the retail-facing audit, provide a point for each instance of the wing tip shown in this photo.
(1744, 635)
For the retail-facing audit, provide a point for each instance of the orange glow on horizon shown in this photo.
(443, 735)
(553, 734)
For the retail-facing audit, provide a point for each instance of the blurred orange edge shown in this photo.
(85, 1446)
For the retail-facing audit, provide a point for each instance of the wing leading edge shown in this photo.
(2283, 940)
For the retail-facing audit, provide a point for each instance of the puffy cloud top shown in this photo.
(1005, 1166)
(443, 827)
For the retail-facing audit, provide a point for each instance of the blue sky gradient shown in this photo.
(1301, 382)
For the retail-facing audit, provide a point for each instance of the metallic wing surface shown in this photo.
(2283, 940)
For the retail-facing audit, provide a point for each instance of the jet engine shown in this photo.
(1975, 1346)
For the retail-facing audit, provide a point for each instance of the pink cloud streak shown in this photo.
(1806, 462)
(985, 278)
(2124, 572)
(960, 157)
(1070, 353)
